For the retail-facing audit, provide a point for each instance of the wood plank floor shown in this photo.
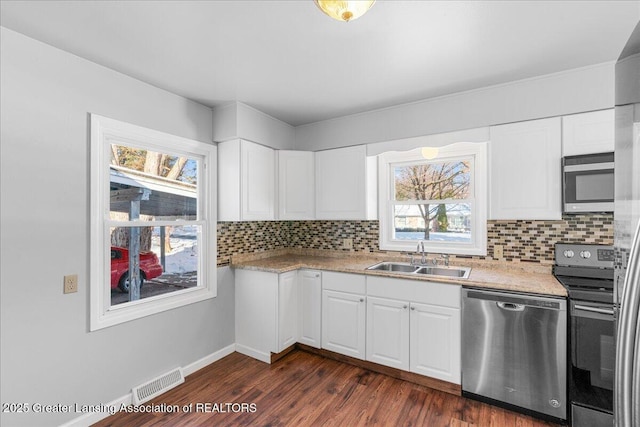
(303, 389)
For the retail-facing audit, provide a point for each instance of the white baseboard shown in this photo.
(88, 419)
(252, 352)
(207, 360)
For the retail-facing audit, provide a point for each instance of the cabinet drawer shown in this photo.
(343, 282)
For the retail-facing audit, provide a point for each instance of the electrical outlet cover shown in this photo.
(347, 243)
(70, 283)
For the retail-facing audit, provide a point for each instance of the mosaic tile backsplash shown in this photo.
(527, 241)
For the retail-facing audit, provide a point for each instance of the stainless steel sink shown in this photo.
(406, 268)
(396, 267)
(460, 272)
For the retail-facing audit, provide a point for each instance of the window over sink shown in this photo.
(435, 195)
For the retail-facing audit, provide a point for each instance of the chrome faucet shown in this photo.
(420, 249)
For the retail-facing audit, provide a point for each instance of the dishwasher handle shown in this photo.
(510, 306)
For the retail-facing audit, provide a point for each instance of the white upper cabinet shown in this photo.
(588, 133)
(345, 184)
(525, 167)
(246, 181)
(296, 185)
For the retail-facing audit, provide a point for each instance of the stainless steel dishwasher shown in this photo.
(514, 351)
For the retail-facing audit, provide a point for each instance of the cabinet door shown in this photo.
(296, 188)
(287, 310)
(258, 181)
(435, 342)
(343, 323)
(388, 332)
(341, 191)
(525, 170)
(310, 305)
(588, 133)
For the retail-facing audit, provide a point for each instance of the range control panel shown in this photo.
(594, 256)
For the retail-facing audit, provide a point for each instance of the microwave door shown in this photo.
(588, 188)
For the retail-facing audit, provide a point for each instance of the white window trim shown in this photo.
(475, 150)
(105, 131)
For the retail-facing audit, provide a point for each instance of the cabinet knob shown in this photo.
(404, 307)
(413, 308)
(361, 299)
(317, 275)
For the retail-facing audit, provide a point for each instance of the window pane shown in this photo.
(432, 181)
(164, 186)
(446, 222)
(168, 260)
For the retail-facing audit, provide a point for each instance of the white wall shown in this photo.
(48, 355)
(574, 91)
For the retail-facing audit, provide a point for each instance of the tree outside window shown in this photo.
(431, 187)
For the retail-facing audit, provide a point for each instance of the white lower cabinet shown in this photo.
(343, 323)
(266, 312)
(435, 342)
(344, 313)
(388, 332)
(310, 308)
(405, 324)
(425, 338)
(287, 310)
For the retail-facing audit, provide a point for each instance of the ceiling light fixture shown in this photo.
(344, 10)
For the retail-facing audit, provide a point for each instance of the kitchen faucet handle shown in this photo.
(445, 257)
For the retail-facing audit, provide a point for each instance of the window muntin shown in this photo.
(152, 193)
(441, 201)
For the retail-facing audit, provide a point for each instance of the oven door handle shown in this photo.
(608, 311)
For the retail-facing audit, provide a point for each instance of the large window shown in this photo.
(152, 219)
(435, 196)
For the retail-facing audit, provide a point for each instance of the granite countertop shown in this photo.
(490, 276)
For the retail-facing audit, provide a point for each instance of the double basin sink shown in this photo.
(421, 270)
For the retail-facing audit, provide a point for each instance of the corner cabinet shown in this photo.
(296, 185)
(344, 314)
(346, 184)
(525, 178)
(266, 312)
(246, 181)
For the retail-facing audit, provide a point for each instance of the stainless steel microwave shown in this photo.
(587, 183)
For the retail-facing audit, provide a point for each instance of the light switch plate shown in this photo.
(498, 252)
(70, 284)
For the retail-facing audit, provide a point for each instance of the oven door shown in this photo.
(592, 355)
(588, 184)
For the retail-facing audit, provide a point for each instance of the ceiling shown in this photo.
(291, 61)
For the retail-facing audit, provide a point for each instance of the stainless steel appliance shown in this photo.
(587, 273)
(515, 351)
(627, 235)
(588, 183)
